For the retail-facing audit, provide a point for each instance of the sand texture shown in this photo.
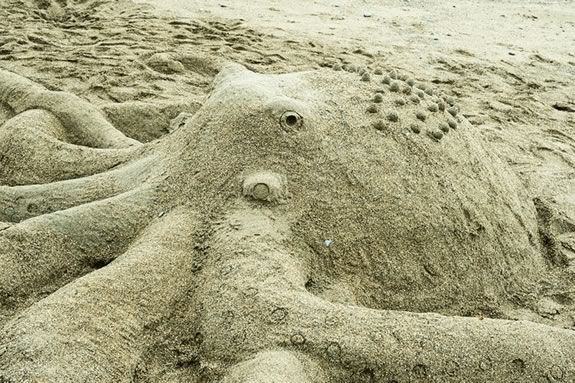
(330, 193)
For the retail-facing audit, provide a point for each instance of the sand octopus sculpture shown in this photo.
(303, 227)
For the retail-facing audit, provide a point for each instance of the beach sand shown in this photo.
(152, 229)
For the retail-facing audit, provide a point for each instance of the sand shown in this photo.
(325, 192)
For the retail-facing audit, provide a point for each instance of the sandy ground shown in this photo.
(486, 29)
(510, 65)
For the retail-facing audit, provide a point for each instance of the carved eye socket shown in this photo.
(291, 120)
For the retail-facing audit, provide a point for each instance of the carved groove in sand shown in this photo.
(212, 240)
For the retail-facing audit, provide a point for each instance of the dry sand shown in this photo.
(161, 222)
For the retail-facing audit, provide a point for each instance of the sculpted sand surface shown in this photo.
(171, 215)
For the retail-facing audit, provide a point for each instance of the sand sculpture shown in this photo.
(320, 226)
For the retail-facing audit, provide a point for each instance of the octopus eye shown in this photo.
(291, 120)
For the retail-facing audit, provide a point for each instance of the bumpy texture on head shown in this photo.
(430, 222)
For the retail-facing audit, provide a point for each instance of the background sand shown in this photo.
(510, 64)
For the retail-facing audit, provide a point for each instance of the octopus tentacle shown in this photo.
(276, 366)
(32, 150)
(18, 203)
(91, 329)
(84, 124)
(402, 345)
(378, 344)
(53, 248)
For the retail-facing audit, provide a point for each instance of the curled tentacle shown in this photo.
(32, 150)
(19, 203)
(83, 123)
(92, 328)
(46, 251)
